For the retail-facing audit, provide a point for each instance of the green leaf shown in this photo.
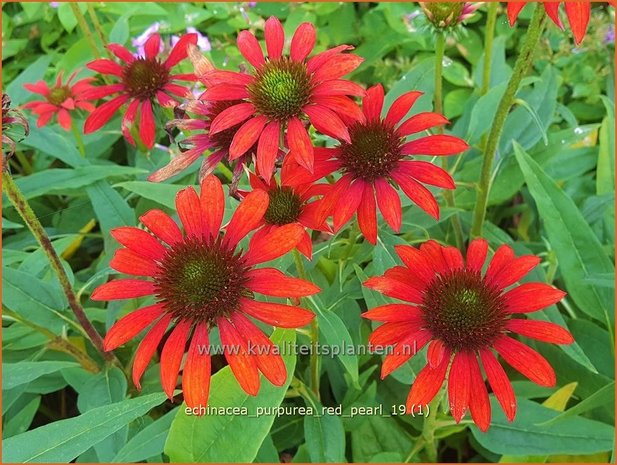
(601, 398)
(605, 178)
(378, 435)
(571, 436)
(230, 438)
(456, 73)
(32, 73)
(164, 194)
(66, 17)
(64, 440)
(17, 423)
(16, 374)
(119, 33)
(325, 436)
(422, 78)
(58, 146)
(579, 252)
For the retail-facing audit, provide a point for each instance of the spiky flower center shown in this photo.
(144, 77)
(443, 14)
(58, 95)
(285, 206)
(281, 89)
(373, 152)
(463, 311)
(200, 281)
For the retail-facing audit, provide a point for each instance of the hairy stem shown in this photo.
(430, 425)
(85, 29)
(80, 142)
(491, 20)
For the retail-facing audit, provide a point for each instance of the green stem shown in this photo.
(430, 425)
(83, 25)
(491, 20)
(520, 69)
(80, 142)
(25, 211)
(97, 27)
(314, 362)
(440, 48)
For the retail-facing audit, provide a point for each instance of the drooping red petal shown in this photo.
(391, 313)
(300, 144)
(578, 16)
(440, 144)
(267, 356)
(459, 384)
(476, 254)
(275, 38)
(401, 106)
(435, 352)
(418, 194)
(403, 351)
(552, 10)
(427, 173)
(161, 224)
(171, 356)
(212, 205)
(525, 360)
(530, 297)
(180, 50)
(421, 122)
(305, 246)
(373, 103)
(348, 204)
(514, 8)
(243, 365)
(140, 242)
(246, 136)
(330, 200)
(231, 116)
(540, 330)
(302, 42)
(248, 216)
(280, 315)
(120, 289)
(127, 121)
(427, 384)
(188, 206)
(267, 149)
(389, 203)
(131, 325)
(390, 334)
(249, 47)
(327, 122)
(367, 214)
(148, 347)
(197, 370)
(97, 119)
(479, 404)
(272, 282)
(394, 288)
(64, 119)
(344, 107)
(500, 384)
(105, 66)
(128, 262)
(275, 244)
(146, 127)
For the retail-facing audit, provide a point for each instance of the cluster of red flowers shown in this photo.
(204, 275)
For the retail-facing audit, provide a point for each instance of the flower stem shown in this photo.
(314, 362)
(23, 208)
(440, 47)
(83, 25)
(80, 142)
(430, 425)
(491, 20)
(520, 69)
(97, 27)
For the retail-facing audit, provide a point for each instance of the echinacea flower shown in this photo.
(201, 279)
(291, 204)
(281, 92)
(446, 15)
(377, 156)
(11, 117)
(464, 315)
(60, 100)
(577, 13)
(142, 80)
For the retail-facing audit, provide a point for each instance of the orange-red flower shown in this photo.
(281, 92)
(577, 13)
(142, 80)
(463, 315)
(60, 100)
(200, 279)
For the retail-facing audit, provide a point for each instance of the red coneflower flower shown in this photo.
(281, 91)
(464, 314)
(60, 100)
(202, 279)
(375, 156)
(291, 204)
(577, 13)
(142, 80)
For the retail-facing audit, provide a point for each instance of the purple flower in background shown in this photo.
(202, 41)
(139, 41)
(609, 37)
(252, 4)
(54, 4)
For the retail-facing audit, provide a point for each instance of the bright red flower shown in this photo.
(291, 204)
(60, 100)
(142, 80)
(376, 156)
(281, 91)
(202, 279)
(464, 314)
(577, 13)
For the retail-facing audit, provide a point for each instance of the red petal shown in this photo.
(500, 384)
(276, 243)
(327, 122)
(119, 289)
(40, 87)
(459, 385)
(476, 255)
(121, 52)
(418, 194)
(171, 356)
(246, 136)
(540, 330)
(218, 77)
(530, 297)
(367, 214)
(525, 360)
(302, 42)
(231, 116)
(394, 288)
(272, 282)
(197, 370)
(337, 66)
(514, 271)
(436, 351)
(373, 103)
(453, 258)
(416, 261)
(95, 93)
(389, 203)
(275, 38)
(225, 92)
(401, 107)
(161, 224)
(180, 50)
(64, 119)
(105, 66)
(212, 205)
(250, 49)
(97, 119)
(280, 315)
(479, 405)
(127, 121)
(427, 173)
(299, 143)
(267, 149)
(338, 87)
(131, 325)
(391, 313)
(146, 126)
(427, 385)
(578, 17)
(514, 8)
(148, 347)
(243, 365)
(140, 242)
(344, 107)
(390, 334)
(189, 210)
(269, 360)
(440, 144)
(320, 59)
(329, 201)
(128, 262)
(403, 351)
(248, 216)
(348, 204)
(433, 251)
(152, 46)
(552, 10)
(421, 122)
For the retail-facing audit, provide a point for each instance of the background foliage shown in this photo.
(553, 195)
